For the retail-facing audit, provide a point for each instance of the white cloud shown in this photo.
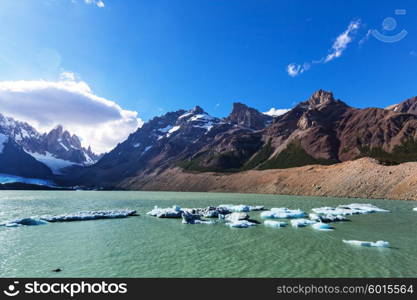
(365, 38)
(274, 112)
(342, 41)
(98, 3)
(338, 47)
(99, 122)
(67, 76)
(294, 69)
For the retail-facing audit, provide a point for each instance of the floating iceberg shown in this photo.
(190, 218)
(241, 207)
(283, 213)
(415, 208)
(236, 216)
(349, 209)
(301, 222)
(171, 212)
(79, 216)
(275, 224)
(212, 212)
(322, 226)
(32, 221)
(383, 244)
(327, 218)
(240, 224)
(91, 215)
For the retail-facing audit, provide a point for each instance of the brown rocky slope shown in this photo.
(361, 178)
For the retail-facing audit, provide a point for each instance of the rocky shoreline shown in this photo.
(361, 178)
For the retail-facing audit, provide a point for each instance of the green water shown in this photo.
(150, 247)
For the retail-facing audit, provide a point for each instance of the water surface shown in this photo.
(145, 246)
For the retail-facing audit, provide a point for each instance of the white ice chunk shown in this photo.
(236, 216)
(322, 226)
(240, 224)
(32, 221)
(241, 207)
(301, 222)
(349, 209)
(283, 213)
(415, 208)
(327, 218)
(170, 212)
(367, 244)
(275, 224)
(91, 215)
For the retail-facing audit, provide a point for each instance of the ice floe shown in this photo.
(236, 216)
(382, 244)
(79, 216)
(415, 208)
(212, 212)
(275, 224)
(349, 209)
(327, 218)
(241, 207)
(301, 222)
(283, 213)
(190, 218)
(240, 224)
(91, 215)
(32, 221)
(170, 212)
(322, 226)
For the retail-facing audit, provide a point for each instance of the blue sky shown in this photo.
(161, 55)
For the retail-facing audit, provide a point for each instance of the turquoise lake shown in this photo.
(145, 246)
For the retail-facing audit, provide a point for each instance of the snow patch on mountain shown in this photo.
(3, 140)
(275, 112)
(55, 164)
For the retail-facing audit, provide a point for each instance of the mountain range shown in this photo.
(322, 130)
(28, 153)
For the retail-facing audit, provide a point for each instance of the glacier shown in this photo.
(53, 163)
(7, 178)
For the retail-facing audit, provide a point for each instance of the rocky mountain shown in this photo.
(15, 161)
(245, 116)
(407, 106)
(320, 130)
(56, 149)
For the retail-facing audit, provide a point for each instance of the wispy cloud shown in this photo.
(339, 46)
(342, 41)
(100, 122)
(98, 3)
(365, 38)
(295, 70)
(413, 53)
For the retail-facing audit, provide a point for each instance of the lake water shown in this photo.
(145, 246)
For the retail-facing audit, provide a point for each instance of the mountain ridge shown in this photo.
(320, 130)
(56, 148)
